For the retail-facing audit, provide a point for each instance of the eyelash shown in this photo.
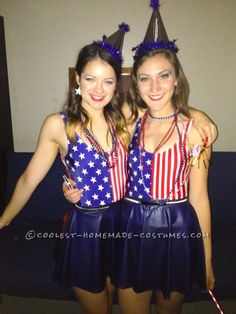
(143, 79)
(165, 75)
(91, 80)
(109, 82)
(162, 77)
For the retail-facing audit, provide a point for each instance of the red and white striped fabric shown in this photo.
(118, 174)
(168, 171)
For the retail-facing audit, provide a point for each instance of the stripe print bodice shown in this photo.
(159, 176)
(89, 169)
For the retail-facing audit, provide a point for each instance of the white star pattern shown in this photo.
(93, 179)
(84, 171)
(100, 187)
(104, 163)
(135, 158)
(91, 172)
(76, 164)
(91, 164)
(147, 175)
(98, 172)
(86, 188)
(105, 179)
(88, 203)
(108, 195)
(95, 196)
(148, 162)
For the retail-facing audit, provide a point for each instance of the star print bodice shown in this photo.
(161, 175)
(89, 169)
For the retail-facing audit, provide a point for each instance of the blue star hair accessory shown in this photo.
(114, 43)
(156, 35)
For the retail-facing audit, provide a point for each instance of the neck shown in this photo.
(158, 118)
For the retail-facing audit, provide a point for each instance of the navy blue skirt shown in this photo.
(161, 248)
(85, 253)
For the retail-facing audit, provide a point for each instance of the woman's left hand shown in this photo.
(208, 132)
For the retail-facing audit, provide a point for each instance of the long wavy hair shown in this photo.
(181, 93)
(76, 114)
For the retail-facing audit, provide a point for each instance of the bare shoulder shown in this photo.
(54, 121)
(53, 126)
(194, 137)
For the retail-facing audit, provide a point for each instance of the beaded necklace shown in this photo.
(162, 142)
(111, 162)
(158, 119)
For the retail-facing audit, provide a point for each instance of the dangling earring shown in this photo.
(77, 91)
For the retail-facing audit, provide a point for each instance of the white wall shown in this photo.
(43, 38)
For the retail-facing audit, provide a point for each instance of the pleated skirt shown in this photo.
(85, 253)
(161, 249)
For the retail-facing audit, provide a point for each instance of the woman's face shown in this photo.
(156, 82)
(97, 83)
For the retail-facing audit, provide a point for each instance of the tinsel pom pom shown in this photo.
(154, 4)
(124, 27)
(159, 44)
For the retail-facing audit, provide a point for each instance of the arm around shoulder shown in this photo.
(206, 128)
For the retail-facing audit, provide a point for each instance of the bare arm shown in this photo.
(205, 126)
(41, 162)
(198, 197)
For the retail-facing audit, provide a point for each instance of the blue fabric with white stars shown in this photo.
(135, 186)
(90, 172)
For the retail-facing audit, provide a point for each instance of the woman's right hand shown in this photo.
(72, 195)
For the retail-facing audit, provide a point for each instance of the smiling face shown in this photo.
(97, 83)
(156, 81)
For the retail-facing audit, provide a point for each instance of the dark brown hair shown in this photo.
(181, 94)
(76, 114)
